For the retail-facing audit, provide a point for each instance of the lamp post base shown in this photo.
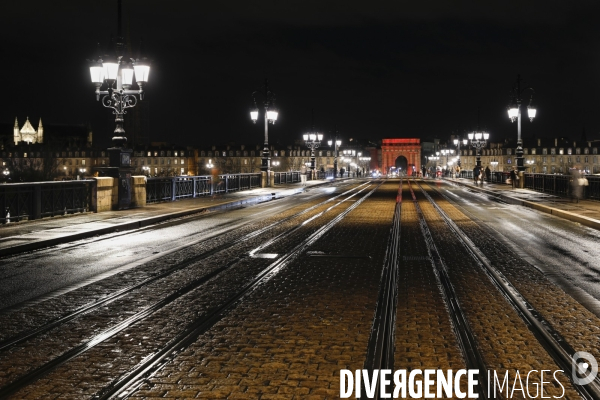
(120, 169)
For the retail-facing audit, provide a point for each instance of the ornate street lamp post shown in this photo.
(312, 140)
(478, 141)
(347, 156)
(116, 74)
(514, 113)
(270, 115)
(447, 152)
(457, 143)
(365, 163)
(336, 144)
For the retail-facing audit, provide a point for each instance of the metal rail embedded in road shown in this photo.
(556, 346)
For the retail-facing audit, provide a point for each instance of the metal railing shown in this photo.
(171, 189)
(287, 177)
(26, 201)
(556, 184)
(495, 176)
(561, 185)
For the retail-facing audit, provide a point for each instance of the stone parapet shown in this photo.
(138, 194)
(106, 194)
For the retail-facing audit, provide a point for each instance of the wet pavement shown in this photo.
(586, 212)
(31, 235)
(273, 298)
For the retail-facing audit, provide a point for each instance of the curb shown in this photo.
(589, 222)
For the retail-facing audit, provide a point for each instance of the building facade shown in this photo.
(555, 156)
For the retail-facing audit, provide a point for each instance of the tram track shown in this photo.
(462, 329)
(201, 323)
(123, 387)
(380, 347)
(7, 343)
(549, 338)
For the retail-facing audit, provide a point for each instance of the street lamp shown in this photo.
(312, 140)
(270, 114)
(478, 141)
(116, 74)
(209, 164)
(447, 152)
(457, 143)
(275, 164)
(336, 144)
(514, 113)
(81, 172)
(116, 70)
(146, 170)
(530, 163)
(494, 164)
(366, 161)
(348, 154)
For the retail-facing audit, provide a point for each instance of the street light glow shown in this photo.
(272, 116)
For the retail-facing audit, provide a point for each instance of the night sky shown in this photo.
(376, 69)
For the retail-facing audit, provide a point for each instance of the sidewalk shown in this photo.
(586, 212)
(31, 235)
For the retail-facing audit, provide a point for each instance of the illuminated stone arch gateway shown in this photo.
(410, 149)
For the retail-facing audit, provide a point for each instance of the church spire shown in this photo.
(40, 132)
(16, 133)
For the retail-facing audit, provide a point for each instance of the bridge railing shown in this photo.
(171, 189)
(556, 184)
(287, 177)
(561, 185)
(25, 201)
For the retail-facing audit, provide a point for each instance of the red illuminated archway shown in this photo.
(391, 149)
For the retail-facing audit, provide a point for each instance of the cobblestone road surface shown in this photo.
(289, 337)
